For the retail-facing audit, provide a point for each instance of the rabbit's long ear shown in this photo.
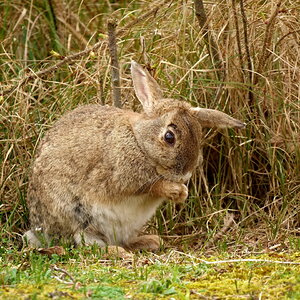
(146, 88)
(214, 118)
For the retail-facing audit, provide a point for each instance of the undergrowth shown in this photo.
(252, 174)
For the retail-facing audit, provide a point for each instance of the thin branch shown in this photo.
(65, 273)
(100, 91)
(237, 260)
(115, 69)
(210, 43)
(67, 59)
(228, 221)
(209, 40)
(237, 32)
(248, 56)
(248, 260)
(284, 36)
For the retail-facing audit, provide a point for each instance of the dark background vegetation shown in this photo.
(244, 59)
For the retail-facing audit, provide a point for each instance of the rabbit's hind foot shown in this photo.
(86, 238)
(34, 239)
(108, 251)
(145, 242)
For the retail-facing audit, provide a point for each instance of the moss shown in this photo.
(150, 277)
(29, 291)
(272, 281)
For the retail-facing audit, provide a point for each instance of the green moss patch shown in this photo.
(84, 274)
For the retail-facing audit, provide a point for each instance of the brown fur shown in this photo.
(100, 172)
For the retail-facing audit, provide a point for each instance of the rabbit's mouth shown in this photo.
(169, 175)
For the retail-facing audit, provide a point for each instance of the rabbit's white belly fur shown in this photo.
(122, 221)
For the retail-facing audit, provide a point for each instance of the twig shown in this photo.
(210, 43)
(238, 38)
(61, 280)
(248, 260)
(250, 68)
(64, 272)
(209, 40)
(228, 221)
(115, 69)
(226, 261)
(66, 59)
(283, 37)
(100, 91)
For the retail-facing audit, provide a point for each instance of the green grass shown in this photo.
(86, 273)
(252, 174)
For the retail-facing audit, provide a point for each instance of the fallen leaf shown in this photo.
(58, 250)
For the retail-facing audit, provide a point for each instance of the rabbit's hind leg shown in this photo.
(36, 239)
(30, 239)
(145, 242)
(88, 238)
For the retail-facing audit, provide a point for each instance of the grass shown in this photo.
(249, 177)
(85, 273)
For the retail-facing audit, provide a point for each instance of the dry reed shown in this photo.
(253, 174)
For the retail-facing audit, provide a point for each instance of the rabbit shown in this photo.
(101, 172)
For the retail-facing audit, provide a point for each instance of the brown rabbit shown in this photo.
(101, 172)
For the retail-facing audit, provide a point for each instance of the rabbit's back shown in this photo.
(90, 146)
(89, 167)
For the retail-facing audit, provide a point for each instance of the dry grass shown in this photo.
(253, 174)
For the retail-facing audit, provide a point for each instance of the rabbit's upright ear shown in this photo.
(146, 88)
(214, 118)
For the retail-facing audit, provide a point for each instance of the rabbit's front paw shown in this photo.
(176, 192)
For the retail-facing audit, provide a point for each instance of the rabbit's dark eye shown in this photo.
(170, 137)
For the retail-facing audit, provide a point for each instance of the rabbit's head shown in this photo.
(170, 131)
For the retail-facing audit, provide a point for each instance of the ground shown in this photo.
(90, 273)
